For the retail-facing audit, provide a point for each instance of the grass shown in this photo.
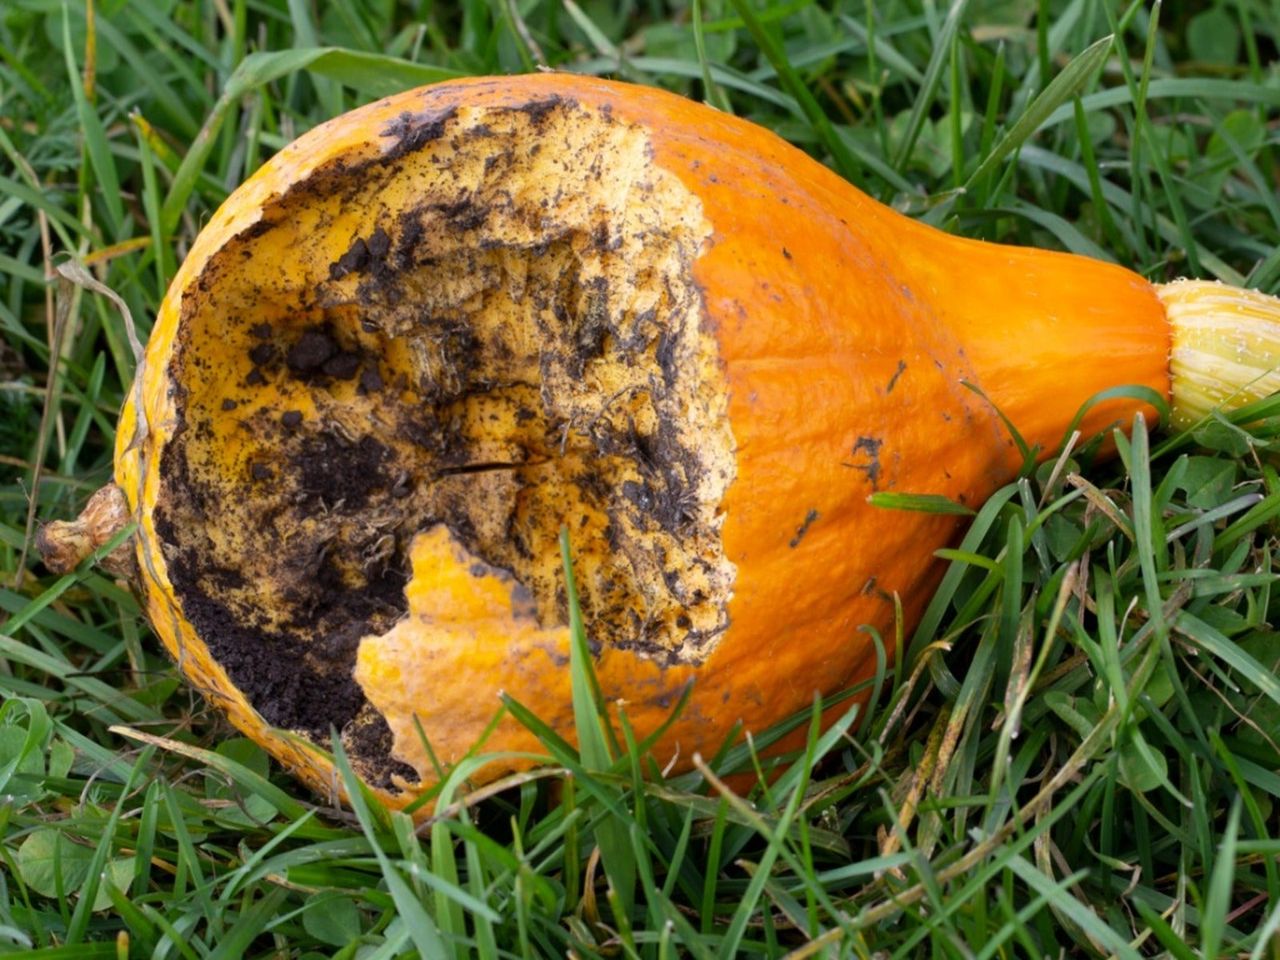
(1080, 752)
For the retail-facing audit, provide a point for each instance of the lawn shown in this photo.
(1079, 754)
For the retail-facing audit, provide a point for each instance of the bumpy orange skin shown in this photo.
(845, 331)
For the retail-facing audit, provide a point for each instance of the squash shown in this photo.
(432, 331)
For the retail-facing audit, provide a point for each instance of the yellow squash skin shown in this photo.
(823, 360)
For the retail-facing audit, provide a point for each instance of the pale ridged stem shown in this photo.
(1226, 347)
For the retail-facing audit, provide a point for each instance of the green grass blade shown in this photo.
(1066, 85)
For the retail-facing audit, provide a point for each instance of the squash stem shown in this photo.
(65, 544)
(1225, 347)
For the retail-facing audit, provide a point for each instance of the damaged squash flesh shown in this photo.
(432, 332)
(489, 336)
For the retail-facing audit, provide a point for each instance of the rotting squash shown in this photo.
(434, 330)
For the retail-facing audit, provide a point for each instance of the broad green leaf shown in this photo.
(1214, 37)
(51, 864)
(1141, 770)
(1208, 481)
(332, 919)
(118, 874)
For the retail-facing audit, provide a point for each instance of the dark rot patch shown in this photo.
(893, 381)
(461, 214)
(868, 448)
(308, 355)
(539, 110)
(292, 419)
(265, 665)
(336, 471)
(262, 354)
(801, 530)
(665, 354)
(363, 255)
(411, 132)
(354, 260)
(341, 367)
(371, 737)
(379, 244)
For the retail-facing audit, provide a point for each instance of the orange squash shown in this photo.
(434, 330)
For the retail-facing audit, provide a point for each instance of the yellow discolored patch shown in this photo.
(488, 330)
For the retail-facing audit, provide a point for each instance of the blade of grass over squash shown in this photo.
(594, 732)
(1028, 454)
(421, 928)
(983, 521)
(919, 502)
(590, 719)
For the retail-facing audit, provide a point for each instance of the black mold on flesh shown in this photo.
(801, 530)
(869, 449)
(411, 132)
(893, 380)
